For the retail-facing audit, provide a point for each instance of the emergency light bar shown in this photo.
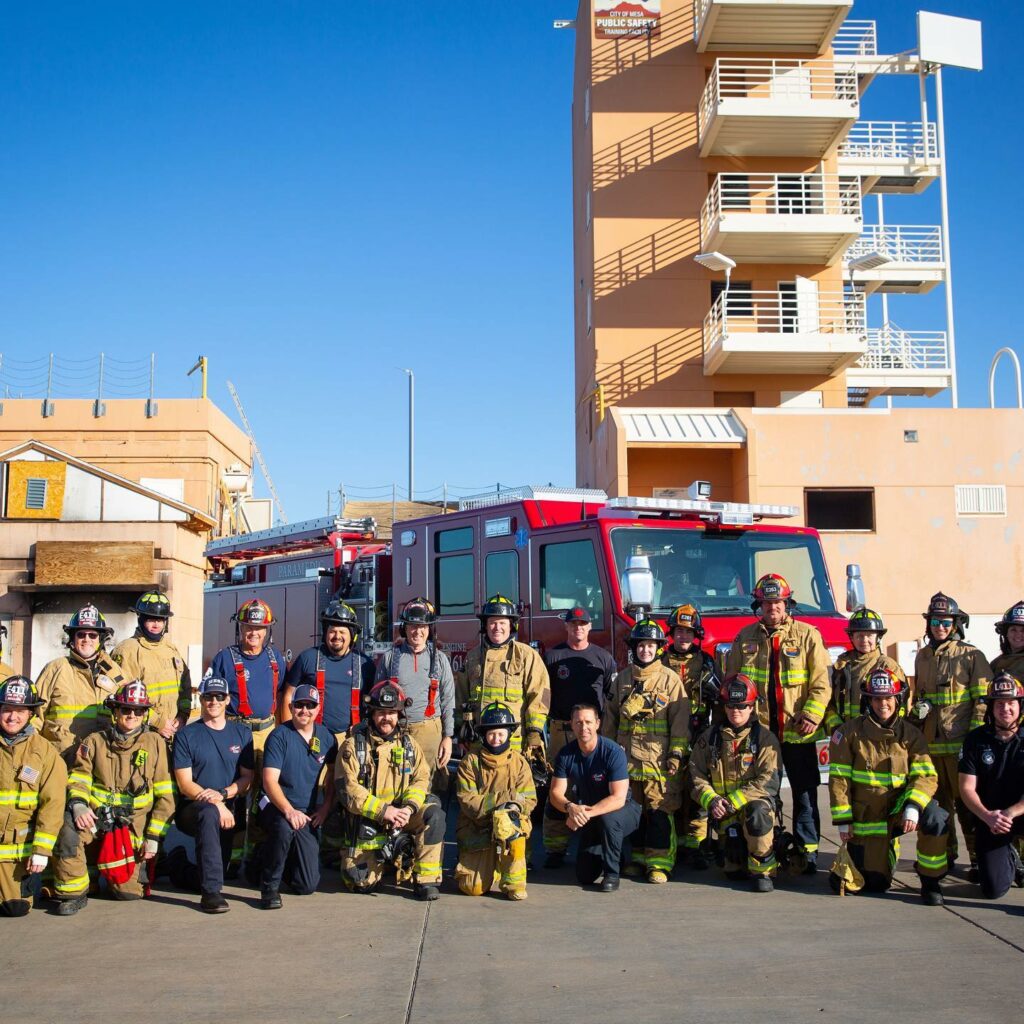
(728, 513)
(527, 493)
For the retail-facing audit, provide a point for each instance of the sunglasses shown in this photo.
(131, 711)
(304, 706)
(86, 636)
(942, 622)
(213, 696)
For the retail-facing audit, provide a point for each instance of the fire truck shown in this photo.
(547, 550)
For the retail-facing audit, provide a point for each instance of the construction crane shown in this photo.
(258, 453)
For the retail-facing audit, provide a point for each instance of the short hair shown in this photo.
(585, 706)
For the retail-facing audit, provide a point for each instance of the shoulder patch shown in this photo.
(837, 735)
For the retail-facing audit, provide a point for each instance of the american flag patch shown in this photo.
(28, 774)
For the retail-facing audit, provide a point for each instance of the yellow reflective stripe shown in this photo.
(69, 711)
(24, 799)
(885, 780)
(417, 796)
(156, 828)
(814, 707)
(535, 720)
(737, 799)
(870, 828)
(706, 798)
(646, 773)
(936, 862)
(947, 699)
(372, 806)
(922, 766)
(646, 726)
(163, 788)
(73, 885)
(840, 770)
(14, 851)
(915, 796)
(158, 689)
(44, 840)
(841, 812)
(945, 748)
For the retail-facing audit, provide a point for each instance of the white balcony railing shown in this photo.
(798, 195)
(903, 243)
(890, 140)
(784, 312)
(856, 39)
(793, 82)
(892, 348)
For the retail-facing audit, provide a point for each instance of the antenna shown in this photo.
(258, 453)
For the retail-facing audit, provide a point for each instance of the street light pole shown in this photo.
(412, 389)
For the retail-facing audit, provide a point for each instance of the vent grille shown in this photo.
(35, 494)
(980, 499)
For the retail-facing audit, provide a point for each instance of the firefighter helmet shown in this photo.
(864, 620)
(883, 682)
(497, 716)
(499, 607)
(945, 607)
(738, 691)
(387, 696)
(153, 605)
(131, 695)
(1004, 687)
(19, 691)
(645, 629)
(1011, 617)
(89, 617)
(771, 587)
(337, 613)
(254, 613)
(417, 611)
(687, 617)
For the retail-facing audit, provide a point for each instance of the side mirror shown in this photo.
(854, 589)
(638, 583)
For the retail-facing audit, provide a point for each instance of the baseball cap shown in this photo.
(213, 684)
(577, 614)
(306, 692)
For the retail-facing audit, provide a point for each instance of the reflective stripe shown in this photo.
(761, 867)
(922, 767)
(840, 770)
(947, 699)
(372, 806)
(73, 886)
(884, 780)
(157, 828)
(737, 799)
(25, 799)
(915, 796)
(945, 748)
(841, 812)
(86, 712)
(870, 828)
(937, 862)
(44, 840)
(15, 851)
(417, 796)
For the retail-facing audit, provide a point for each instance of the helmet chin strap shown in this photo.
(499, 749)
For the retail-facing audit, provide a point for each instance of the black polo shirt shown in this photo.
(578, 677)
(997, 765)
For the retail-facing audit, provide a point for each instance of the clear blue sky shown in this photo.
(316, 194)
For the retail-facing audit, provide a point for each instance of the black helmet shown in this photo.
(646, 629)
(1011, 617)
(689, 617)
(497, 716)
(19, 691)
(864, 620)
(337, 613)
(153, 605)
(944, 606)
(89, 617)
(387, 696)
(497, 606)
(416, 612)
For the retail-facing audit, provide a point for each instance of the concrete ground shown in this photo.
(699, 949)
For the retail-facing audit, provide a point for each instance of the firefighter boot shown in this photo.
(931, 894)
(66, 908)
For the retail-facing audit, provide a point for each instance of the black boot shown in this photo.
(65, 908)
(931, 893)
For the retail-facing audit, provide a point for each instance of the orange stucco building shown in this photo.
(727, 279)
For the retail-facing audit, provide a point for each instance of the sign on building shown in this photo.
(625, 19)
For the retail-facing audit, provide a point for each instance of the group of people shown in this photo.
(334, 759)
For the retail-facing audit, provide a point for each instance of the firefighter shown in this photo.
(789, 665)
(1011, 642)
(424, 674)
(992, 786)
(951, 677)
(648, 715)
(33, 782)
(496, 795)
(882, 785)
(700, 680)
(503, 669)
(150, 656)
(119, 805)
(735, 774)
(865, 629)
(383, 783)
(5, 670)
(579, 672)
(74, 689)
(254, 669)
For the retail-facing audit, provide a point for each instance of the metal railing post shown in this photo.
(1005, 351)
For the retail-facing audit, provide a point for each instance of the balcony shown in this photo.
(776, 108)
(856, 45)
(781, 218)
(914, 259)
(892, 156)
(899, 362)
(796, 329)
(780, 26)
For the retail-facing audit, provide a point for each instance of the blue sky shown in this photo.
(316, 194)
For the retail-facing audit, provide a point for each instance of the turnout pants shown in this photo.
(948, 768)
(800, 761)
(691, 819)
(428, 734)
(654, 841)
(332, 835)
(214, 844)
(998, 860)
(481, 858)
(288, 854)
(362, 866)
(555, 831)
(601, 841)
(75, 860)
(747, 839)
(14, 882)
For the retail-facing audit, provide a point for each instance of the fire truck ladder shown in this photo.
(258, 453)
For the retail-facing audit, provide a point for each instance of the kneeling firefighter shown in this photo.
(383, 783)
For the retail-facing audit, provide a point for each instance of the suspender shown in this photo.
(355, 695)
(244, 708)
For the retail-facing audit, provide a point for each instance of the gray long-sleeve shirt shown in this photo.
(413, 674)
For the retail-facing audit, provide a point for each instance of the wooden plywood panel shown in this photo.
(19, 473)
(70, 563)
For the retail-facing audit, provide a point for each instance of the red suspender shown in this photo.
(776, 661)
(320, 675)
(431, 699)
(357, 683)
(244, 710)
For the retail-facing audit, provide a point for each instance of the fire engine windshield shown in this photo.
(716, 571)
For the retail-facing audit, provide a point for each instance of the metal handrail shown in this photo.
(856, 39)
(785, 194)
(902, 243)
(890, 140)
(892, 348)
(788, 81)
(778, 312)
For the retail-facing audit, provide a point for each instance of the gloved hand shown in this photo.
(911, 816)
(534, 740)
(150, 849)
(36, 863)
(506, 823)
(920, 710)
(636, 706)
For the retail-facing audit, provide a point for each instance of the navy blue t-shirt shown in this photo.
(338, 680)
(589, 775)
(300, 763)
(259, 678)
(214, 755)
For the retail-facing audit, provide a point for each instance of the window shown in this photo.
(839, 509)
(35, 493)
(741, 299)
(980, 499)
(734, 399)
(501, 572)
(453, 585)
(568, 577)
(453, 540)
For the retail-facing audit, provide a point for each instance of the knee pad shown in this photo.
(433, 818)
(759, 819)
(934, 821)
(68, 840)
(734, 846)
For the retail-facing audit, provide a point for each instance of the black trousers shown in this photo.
(295, 852)
(601, 839)
(801, 763)
(997, 858)
(201, 821)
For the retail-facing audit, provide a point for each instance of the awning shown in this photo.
(701, 428)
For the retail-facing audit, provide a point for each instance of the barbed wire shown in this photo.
(52, 376)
